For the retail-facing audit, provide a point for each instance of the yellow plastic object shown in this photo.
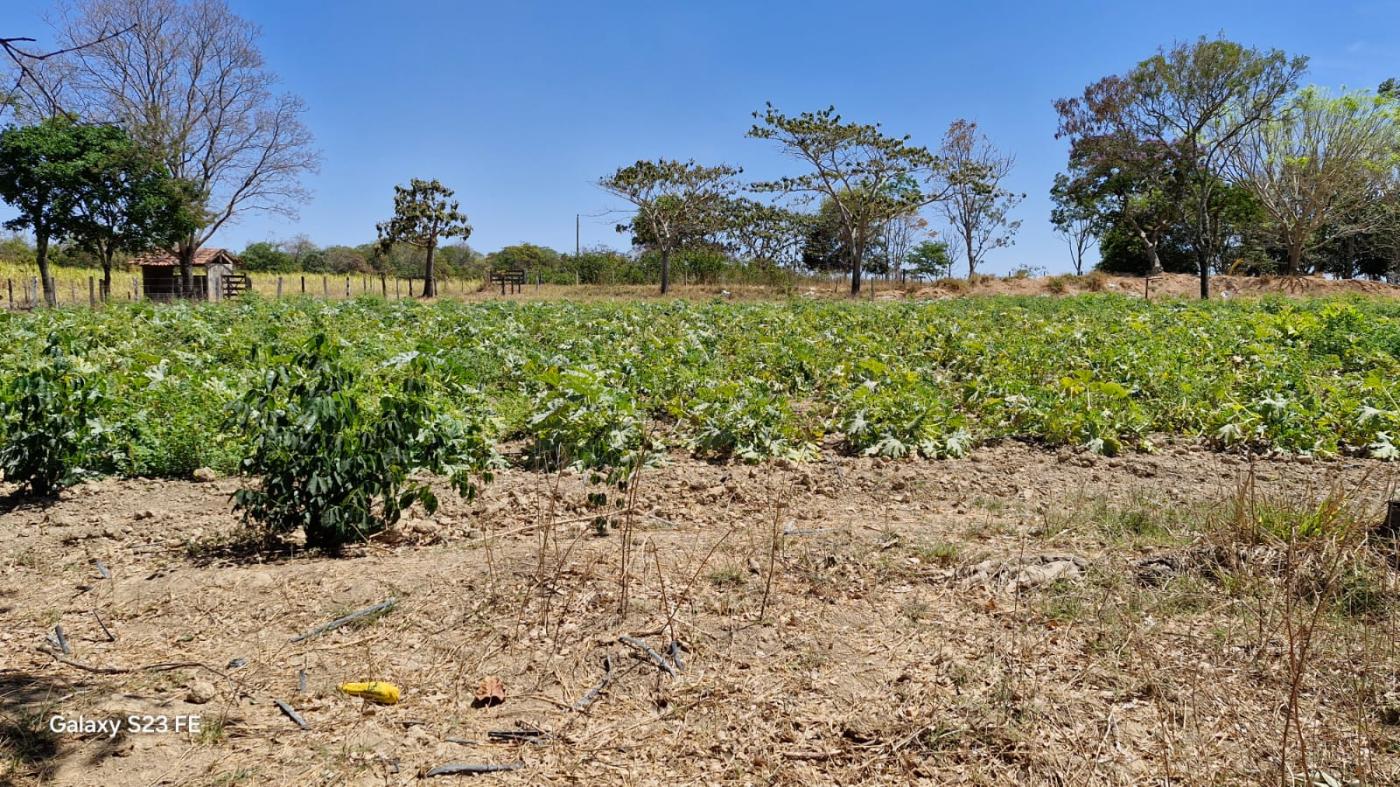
(374, 691)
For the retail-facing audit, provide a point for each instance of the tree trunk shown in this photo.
(186, 252)
(1203, 261)
(41, 256)
(855, 272)
(429, 280)
(1154, 263)
(1295, 258)
(106, 293)
(665, 270)
(971, 263)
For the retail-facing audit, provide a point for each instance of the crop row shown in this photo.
(594, 384)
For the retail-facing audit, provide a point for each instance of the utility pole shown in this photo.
(576, 236)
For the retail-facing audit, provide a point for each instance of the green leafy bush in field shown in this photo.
(746, 421)
(338, 462)
(585, 421)
(893, 413)
(52, 428)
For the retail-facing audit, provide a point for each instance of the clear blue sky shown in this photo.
(521, 106)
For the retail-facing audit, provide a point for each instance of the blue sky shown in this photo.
(521, 106)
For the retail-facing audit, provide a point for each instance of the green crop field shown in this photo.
(595, 382)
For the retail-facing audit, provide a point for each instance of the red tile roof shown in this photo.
(202, 257)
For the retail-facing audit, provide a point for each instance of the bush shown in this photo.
(51, 422)
(338, 469)
(583, 421)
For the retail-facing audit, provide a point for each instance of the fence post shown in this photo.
(397, 295)
(303, 285)
(279, 288)
(325, 287)
(92, 293)
(410, 286)
(10, 287)
(347, 286)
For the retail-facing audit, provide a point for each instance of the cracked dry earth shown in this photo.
(979, 621)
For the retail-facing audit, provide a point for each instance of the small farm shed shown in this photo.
(160, 274)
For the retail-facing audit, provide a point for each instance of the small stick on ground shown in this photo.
(161, 667)
(292, 714)
(472, 768)
(105, 630)
(646, 649)
(593, 693)
(383, 606)
(62, 640)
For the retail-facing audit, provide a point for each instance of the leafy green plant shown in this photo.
(52, 432)
(340, 467)
(584, 422)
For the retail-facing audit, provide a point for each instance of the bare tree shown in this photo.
(901, 234)
(29, 86)
(976, 204)
(189, 84)
(1078, 223)
(1318, 165)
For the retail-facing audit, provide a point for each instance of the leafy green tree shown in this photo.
(1124, 182)
(1191, 105)
(1077, 222)
(930, 259)
(45, 170)
(424, 214)
(128, 203)
(766, 234)
(869, 176)
(678, 203)
(524, 256)
(1319, 164)
(267, 257)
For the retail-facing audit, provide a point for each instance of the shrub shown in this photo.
(51, 422)
(341, 470)
(583, 421)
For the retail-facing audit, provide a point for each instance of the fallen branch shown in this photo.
(593, 693)
(383, 606)
(62, 640)
(462, 767)
(160, 667)
(674, 651)
(293, 715)
(655, 657)
(517, 736)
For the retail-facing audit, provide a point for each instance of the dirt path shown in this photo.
(875, 643)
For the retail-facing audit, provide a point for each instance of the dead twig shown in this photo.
(656, 658)
(592, 695)
(159, 667)
(472, 768)
(105, 630)
(292, 714)
(383, 606)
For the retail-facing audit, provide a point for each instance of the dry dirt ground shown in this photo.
(1021, 616)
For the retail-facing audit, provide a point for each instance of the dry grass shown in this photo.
(832, 634)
